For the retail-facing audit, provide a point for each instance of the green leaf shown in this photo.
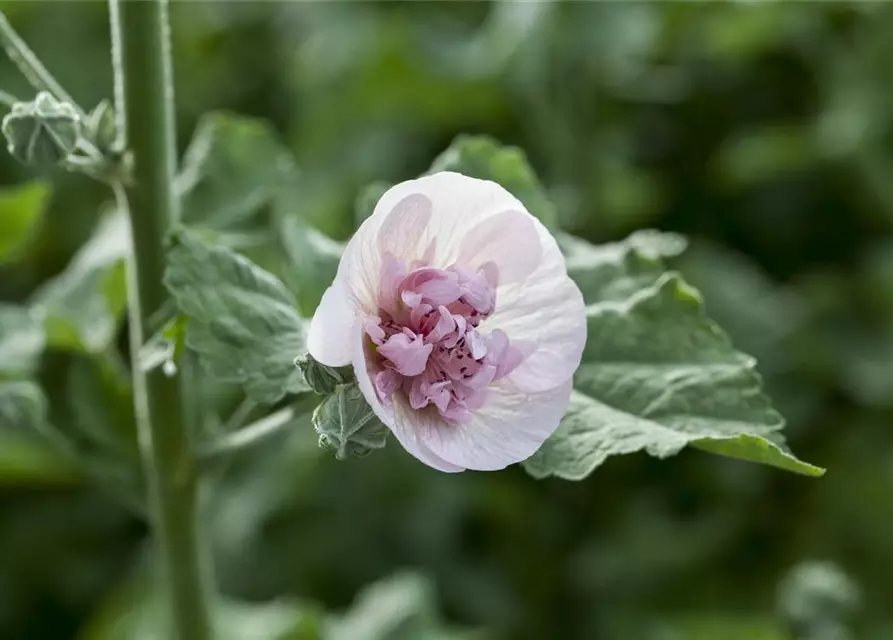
(346, 423)
(25, 457)
(233, 166)
(312, 260)
(21, 210)
(84, 304)
(367, 198)
(657, 375)
(401, 607)
(21, 340)
(615, 271)
(242, 320)
(483, 157)
(323, 379)
(100, 405)
(136, 612)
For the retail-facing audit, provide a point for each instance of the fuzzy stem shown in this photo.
(30, 66)
(145, 108)
(248, 436)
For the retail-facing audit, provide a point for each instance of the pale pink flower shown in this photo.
(454, 306)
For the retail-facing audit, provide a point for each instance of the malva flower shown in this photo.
(454, 306)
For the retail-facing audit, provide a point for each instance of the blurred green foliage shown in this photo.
(761, 131)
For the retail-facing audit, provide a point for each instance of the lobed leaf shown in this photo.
(233, 166)
(84, 304)
(242, 320)
(656, 374)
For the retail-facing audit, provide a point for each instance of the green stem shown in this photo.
(30, 66)
(7, 98)
(248, 436)
(144, 97)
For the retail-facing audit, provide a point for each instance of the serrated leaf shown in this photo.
(313, 259)
(243, 322)
(84, 304)
(21, 210)
(346, 423)
(21, 340)
(233, 166)
(617, 270)
(658, 375)
(485, 158)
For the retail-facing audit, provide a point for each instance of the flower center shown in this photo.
(426, 338)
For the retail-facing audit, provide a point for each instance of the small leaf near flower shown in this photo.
(346, 423)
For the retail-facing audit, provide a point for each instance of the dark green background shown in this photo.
(760, 130)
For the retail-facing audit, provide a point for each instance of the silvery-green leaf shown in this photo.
(346, 423)
(321, 378)
(614, 271)
(84, 304)
(21, 340)
(242, 320)
(656, 374)
(22, 207)
(398, 608)
(313, 259)
(233, 166)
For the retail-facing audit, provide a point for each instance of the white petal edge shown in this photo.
(444, 207)
(407, 438)
(510, 428)
(545, 310)
(334, 323)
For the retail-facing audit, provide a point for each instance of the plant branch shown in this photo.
(144, 102)
(8, 99)
(247, 437)
(30, 66)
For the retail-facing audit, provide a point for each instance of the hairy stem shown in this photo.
(248, 436)
(30, 66)
(7, 98)
(144, 98)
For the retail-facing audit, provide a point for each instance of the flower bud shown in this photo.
(319, 377)
(346, 423)
(42, 132)
(101, 127)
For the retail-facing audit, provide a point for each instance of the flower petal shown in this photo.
(509, 428)
(459, 204)
(408, 439)
(545, 310)
(397, 228)
(332, 327)
(508, 240)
